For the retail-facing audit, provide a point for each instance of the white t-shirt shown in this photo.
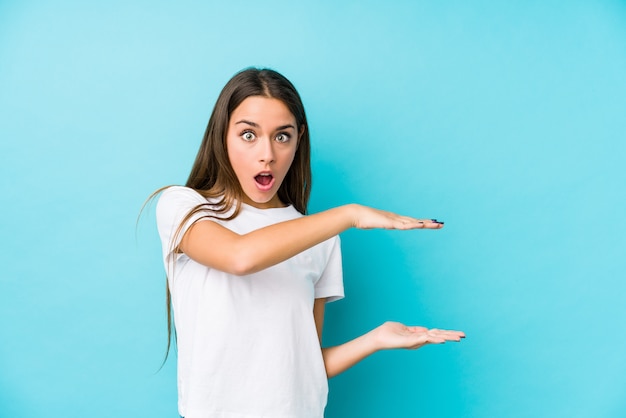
(247, 345)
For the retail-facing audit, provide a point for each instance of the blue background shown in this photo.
(507, 120)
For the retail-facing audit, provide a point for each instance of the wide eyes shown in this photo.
(282, 137)
(248, 136)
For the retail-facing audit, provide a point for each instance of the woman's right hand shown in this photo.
(364, 217)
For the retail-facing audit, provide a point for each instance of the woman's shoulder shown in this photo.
(173, 192)
(185, 193)
(177, 194)
(180, 197)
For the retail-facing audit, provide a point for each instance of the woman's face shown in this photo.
(261, 141)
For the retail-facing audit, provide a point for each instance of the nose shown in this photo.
(266, 153)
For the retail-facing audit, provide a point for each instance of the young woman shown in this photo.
(249, 272)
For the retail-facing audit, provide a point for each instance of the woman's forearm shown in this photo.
(340, 358)
(269, 246)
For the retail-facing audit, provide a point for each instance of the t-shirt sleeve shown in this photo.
(330, 284)
(174, 204)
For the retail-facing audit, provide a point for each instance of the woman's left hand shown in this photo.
(396, 335)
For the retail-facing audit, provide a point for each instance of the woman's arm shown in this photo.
(218, 247)
(389, 335)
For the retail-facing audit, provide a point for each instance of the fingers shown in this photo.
(425, 336)
(405, 222)
(432, 224)
(441, 335)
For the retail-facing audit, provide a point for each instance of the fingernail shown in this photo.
(434, 220)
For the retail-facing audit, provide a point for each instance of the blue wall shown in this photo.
(507, 121)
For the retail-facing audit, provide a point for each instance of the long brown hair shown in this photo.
(212, 175)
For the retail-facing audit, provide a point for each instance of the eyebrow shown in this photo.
(256, 125)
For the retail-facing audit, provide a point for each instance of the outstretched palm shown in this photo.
(396, 335)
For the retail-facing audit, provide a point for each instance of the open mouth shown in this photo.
(264, 180)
